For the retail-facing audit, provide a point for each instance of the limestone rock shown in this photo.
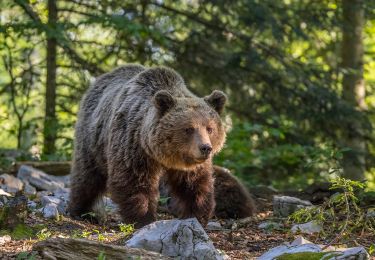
(28, 189)
(283, 206)
(270, 225)
(214, 225)
(307, 228)
(185, 239)
(301, 245)
(39, 179)
(50, 211)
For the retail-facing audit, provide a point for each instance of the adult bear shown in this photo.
(134, 125)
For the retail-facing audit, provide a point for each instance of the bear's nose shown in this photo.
(205, 149)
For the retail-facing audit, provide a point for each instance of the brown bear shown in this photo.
(232, 199)
(136, 124)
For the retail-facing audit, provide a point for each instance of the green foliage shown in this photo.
(340, 212)
(278, 61)
(43, 234)
(101, 256)
(126, 229)
(26, 256)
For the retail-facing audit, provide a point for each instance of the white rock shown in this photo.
(39, 179)
(50, 211)
(185, 239)
(370, 213)
(284, 205)
(358, 253)
(10, 183)
(300, 245)
(214, 225)
(307, 228)
(49, 199)
(4, 193)
(5, 239)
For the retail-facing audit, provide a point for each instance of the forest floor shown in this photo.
(245, 242)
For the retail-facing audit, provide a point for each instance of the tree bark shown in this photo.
(353, 86)
(50, 121)
(68, 248)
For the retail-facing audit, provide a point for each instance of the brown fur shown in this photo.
(231, 198)
(136, 124)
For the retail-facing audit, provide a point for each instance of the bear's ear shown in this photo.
(163, 101)
(216, 100)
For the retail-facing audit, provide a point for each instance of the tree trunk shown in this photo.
(353, 86)
(50, 121)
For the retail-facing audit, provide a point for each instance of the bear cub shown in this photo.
(136, 124)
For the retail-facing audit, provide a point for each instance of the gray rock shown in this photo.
(50, 211)
(10, 183)
(307, 228)
(214, 225)
(31, 205)
(28, 189)
(185, 239)
(300, 245)
(283, 206)
(53, 199)
(370, 213)
(39, 179)
(5, 239)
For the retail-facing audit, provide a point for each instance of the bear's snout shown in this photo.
(205, 149)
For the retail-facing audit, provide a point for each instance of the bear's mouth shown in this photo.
(195, 160)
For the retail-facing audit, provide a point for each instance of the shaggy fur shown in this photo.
(134, 125)
(231, 198)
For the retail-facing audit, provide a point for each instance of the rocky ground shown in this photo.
(43, 217)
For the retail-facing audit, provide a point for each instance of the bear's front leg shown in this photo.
(193, 193)
(136, 195)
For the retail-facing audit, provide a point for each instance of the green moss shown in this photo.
(3, 215)
(304, 256)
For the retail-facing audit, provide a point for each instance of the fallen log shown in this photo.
(52, 168)
(69, 248)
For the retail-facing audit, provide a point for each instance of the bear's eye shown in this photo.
(209, 130)
(189, 130)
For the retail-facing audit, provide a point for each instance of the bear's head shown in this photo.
(188, 131)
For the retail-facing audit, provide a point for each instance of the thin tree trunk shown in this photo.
(50, 121)
(354, 85)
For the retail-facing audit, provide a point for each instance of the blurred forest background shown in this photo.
(299, 74)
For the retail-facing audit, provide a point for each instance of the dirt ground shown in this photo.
(246, 241)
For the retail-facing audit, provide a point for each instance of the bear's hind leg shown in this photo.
(87, 184)
(193, 193)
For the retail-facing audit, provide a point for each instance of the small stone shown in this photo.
(28, 189)
(5, 239)
(31, 205)
(185, 239)
(50, 211)
(370, 213)
(49, 199)
(10, 183)
(307, 228)
(214, 225)
(283, 206)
